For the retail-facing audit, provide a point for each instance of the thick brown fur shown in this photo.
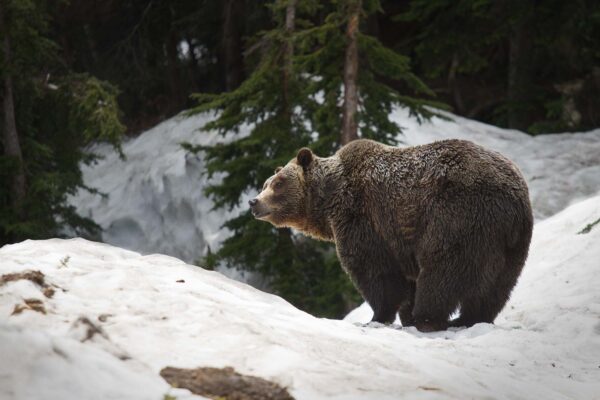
(421, 231)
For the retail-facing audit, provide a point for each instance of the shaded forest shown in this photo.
(529, 65)
(301, 72)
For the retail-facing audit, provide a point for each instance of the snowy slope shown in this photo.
(36, 365)
(157, 204)
(545, 345)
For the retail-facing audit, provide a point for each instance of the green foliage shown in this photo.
(93, 109)
(460, 48)
(588, 228)
(64, 123)
(463, 29)
(283, 115)
(464, 48)
(57, 120)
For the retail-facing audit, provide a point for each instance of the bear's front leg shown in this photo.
(386, 295)
(375, 275)
(406, 309)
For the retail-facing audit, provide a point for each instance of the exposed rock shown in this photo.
(219, 383)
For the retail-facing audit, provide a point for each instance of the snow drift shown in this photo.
(156, 201)
(153, 311)
(155, 197)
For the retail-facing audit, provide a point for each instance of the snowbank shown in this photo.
(156, 202)
(154, 311)
(36, 365)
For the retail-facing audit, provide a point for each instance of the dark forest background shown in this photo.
(301, 72)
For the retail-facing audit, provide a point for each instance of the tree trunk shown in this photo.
(233, 11)
(520, 73)
(174, 80)
(12, 147)
(454, 87)
(349, 125)
(288, 54)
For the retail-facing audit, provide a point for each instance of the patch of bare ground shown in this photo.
(90, 329)
(39, 279)
(224, 383)
(29, 304)
(36, 277)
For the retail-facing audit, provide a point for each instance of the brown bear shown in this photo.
(422, 231)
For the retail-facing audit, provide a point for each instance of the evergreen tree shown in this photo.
(56, 115)
(292, 99)
(526, 64)
(12, 145)
(378, 72)
(513, 63)
(267, 100)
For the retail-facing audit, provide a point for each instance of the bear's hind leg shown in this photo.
(474, 310)
(486, 306)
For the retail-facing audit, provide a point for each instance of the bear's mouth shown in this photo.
(260, 215)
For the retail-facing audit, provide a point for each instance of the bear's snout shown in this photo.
(253, 208)
(258, 209)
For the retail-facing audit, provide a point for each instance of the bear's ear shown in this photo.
(278, 169)
(304, 157)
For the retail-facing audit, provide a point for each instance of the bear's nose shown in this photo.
(252, 202)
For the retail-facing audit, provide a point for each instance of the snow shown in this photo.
(156, 202)
(545, 344)
(36, 365)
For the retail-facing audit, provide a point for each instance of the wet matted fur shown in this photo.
(421, 231)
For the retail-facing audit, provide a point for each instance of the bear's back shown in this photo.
(454, 162)
(469, 166)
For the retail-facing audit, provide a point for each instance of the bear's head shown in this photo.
(283, 198)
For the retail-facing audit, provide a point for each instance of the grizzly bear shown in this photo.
(422, 231)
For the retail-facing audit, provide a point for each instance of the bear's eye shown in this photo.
(277, 184)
